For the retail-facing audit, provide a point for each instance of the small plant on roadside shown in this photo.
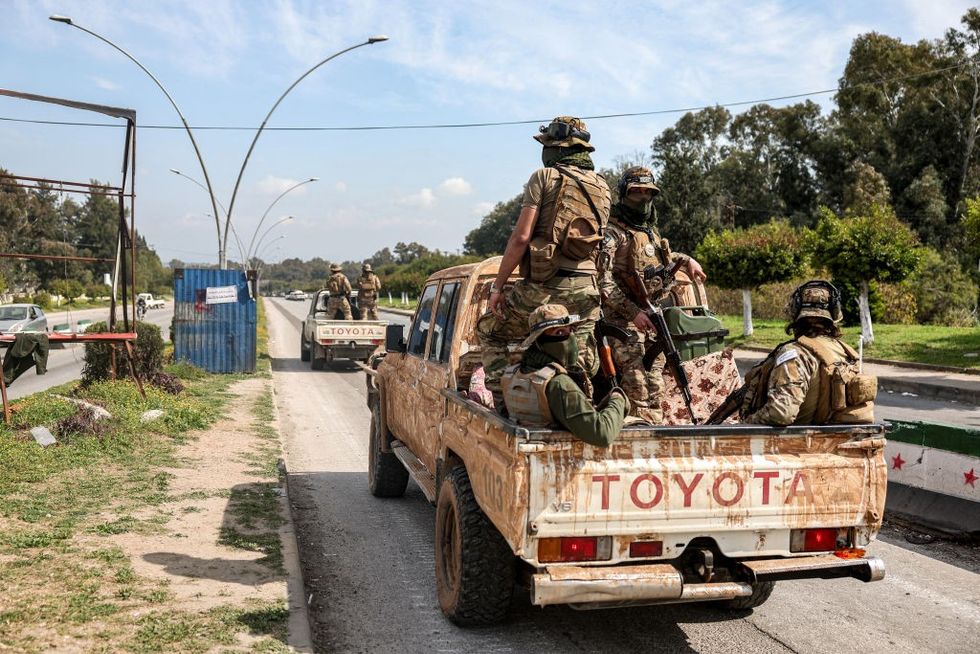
(83, 422)
(147, 351)
(167, 382)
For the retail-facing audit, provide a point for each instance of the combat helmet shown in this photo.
(816, 298)
(335, 267)
(564, 131)
(636, 177)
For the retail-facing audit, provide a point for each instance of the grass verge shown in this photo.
(66, 584)
(931, 344)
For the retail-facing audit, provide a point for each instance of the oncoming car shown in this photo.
(16, 318)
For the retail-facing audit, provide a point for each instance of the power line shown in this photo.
(499, 123)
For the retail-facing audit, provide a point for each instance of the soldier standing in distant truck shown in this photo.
(368, 287)
(631, 244)
(339, 287)
(563, 217)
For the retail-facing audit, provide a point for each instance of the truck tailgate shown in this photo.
(743, 486)
(362, 332)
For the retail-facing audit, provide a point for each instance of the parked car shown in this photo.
(296, 295)
(15, 318)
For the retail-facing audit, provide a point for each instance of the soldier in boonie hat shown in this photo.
(340, 289)
(335, 267)
(539, 391)
(565, 131)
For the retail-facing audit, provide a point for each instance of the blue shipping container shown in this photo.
(214, 319)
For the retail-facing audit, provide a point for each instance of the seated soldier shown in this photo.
(813, 379)
(539, 391)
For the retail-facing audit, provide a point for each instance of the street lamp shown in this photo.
(238, 241)
(287, 219)
(234, 193)
(251, 242)
(214, 203)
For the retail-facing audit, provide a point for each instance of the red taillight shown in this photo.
(377, 341)
(643, 548)
(817, 540)
(574, 548)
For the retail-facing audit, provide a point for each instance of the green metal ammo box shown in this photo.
(695, 331)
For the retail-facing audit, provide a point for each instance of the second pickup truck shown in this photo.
(324, 339)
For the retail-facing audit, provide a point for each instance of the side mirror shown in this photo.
(395, 339)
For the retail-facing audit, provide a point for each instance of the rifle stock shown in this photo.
(731, 404)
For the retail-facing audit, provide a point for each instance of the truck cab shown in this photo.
(679, 513)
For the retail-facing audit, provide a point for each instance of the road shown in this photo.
(369, 569)
(65, 364)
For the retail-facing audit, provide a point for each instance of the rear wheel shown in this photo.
(474, 564)
(761, 590)
(316, 362)
(387, 477)
(304, 348)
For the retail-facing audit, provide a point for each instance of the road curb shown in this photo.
(400, 312)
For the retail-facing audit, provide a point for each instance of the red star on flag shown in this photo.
(898, 462)
(970, 478)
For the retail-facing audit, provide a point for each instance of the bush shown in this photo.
(83, 422)
(42, 299)
(167, 383)
(148, 354)
(941, 289)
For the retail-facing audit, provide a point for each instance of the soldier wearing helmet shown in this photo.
(539, 391)
(631, 244)
(339, 287)
(815, 378)
(368, 287)
(563, 217)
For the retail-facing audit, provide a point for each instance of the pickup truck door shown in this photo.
(403, 397)
(436, 374)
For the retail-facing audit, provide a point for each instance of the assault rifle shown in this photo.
(637, 291)
(603, 332)
(731, 404)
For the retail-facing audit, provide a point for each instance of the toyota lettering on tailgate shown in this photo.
(348, 331)
(648, 490)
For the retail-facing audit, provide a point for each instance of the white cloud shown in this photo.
(103, 83)
(483, 208)
(271, 184)
(424, 198)
(341, 187)
(456, 186)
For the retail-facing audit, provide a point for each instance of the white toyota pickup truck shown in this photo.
(324, 339)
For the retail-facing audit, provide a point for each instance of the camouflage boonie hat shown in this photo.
(335, 267)
(816, 298)
(564, 131)
(366, 267)
(636, 177)
(545, 317)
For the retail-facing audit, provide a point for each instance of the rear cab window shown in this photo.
(442, 338)
(422, 325)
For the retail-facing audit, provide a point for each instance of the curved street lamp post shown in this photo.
(222, 239)
(187, 128)
(249, 252)
(287, 219)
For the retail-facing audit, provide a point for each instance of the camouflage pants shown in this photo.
(338, 303)
(577, 294)
(368, 307)
(644, 388)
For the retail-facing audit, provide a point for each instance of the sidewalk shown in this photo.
(924, 382)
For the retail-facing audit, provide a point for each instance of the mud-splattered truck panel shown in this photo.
(666, 514)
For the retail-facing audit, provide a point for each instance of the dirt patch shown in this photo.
(198, 572)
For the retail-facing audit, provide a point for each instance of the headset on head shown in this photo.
(833, 306)
(626, 180)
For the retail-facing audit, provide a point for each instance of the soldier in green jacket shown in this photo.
(539, 391)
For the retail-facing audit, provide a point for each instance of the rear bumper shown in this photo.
(663, 583)
(345, 351)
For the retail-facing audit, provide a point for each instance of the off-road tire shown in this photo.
(304, 348)
(761, 590)
(474, 564)
(387, 477)
(316, 362)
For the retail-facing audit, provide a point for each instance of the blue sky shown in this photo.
(226, 62)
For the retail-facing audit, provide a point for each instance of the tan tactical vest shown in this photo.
(637, 250)
(843, 395)
(524, 394)
(567, 233)
(367, 285)
(336, 285)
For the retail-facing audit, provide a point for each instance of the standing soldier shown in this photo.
(368, 287)
(339, 288)
(631, 244)
(562, 220)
